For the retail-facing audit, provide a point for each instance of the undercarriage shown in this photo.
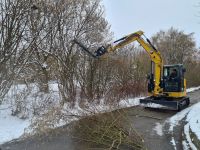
(165, 102)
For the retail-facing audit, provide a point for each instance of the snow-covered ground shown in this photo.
(193, 89)
(12, 127)
(158, 129)
(192, 119)
(19, 107)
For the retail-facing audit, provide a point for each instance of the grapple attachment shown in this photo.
(99, 52)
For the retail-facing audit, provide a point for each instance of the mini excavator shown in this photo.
(166, 83)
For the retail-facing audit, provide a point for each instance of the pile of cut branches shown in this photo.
(107, 131)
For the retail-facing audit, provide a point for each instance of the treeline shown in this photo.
(36, 46)
(178, 47)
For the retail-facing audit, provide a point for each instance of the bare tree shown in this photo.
(75, 19)
(178, 47)
(13, 45)
(175, 45)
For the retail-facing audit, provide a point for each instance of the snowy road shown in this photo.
(154, 126)
(168, 130)
(187, 122)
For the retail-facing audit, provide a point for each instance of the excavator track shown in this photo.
(165, 103)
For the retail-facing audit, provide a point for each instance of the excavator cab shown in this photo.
(173, 79)
(173, 84)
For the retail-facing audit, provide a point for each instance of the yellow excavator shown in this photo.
(166, 83)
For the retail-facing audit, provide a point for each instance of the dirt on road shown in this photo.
(150, 123)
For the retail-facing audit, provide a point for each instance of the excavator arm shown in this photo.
(170, 94)
(154, 54)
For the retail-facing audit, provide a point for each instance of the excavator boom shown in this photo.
(161, 90)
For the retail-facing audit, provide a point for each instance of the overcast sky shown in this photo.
(127, 16)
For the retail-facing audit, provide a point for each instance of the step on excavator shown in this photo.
(166, 83)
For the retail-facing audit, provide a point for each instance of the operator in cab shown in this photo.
(173, 74)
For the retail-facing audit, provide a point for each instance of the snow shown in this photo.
(10, 127)
(130, 102)
(152, 105)
(192, 118)
(44, 65)
(173, 143)
(188, 138)
(174, 120)
(159, 129)
(102, 107)
(192, 89)
(185, 145)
